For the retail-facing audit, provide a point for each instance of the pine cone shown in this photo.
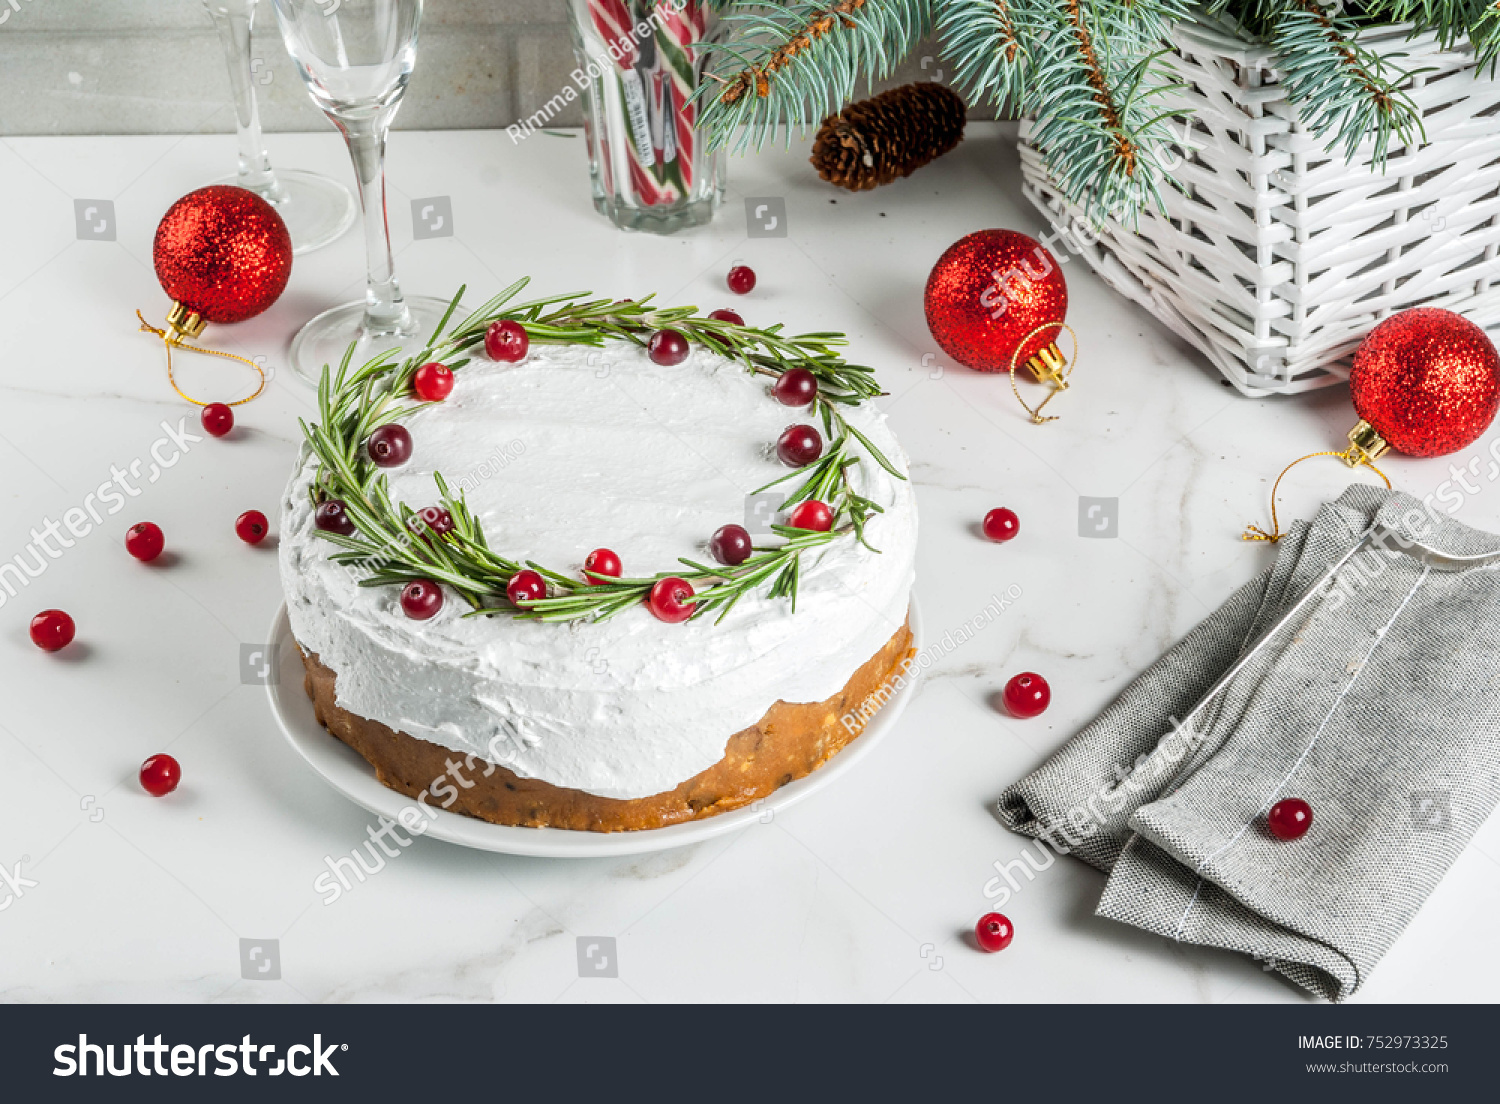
(892, 135)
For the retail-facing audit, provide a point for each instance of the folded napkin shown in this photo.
(1379, 706)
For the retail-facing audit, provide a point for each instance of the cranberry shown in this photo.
(421, 598)
(436, 519)
(144, 541)
(993, 932)
(796, 387)
(812, 515)
(526, 586)
(667, 347)
(799, 445)
(1289, 818)
(160, 775)
(217, 419)
(669, 599)
(730, 545)
(601, 561)
(507, 341)
(1027, 695)
(389, 446)
(51, 630)
(1001, 524)
(714, 341)
(741, 279)
(251, 527)
(331, 517)
(433, 382)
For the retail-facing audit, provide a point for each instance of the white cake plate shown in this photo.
(347, 771)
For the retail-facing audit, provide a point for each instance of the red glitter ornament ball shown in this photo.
(1427, 380)
(988, 292)
(223, 252)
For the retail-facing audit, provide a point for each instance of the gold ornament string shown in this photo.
(1349, 456)
(1059, 383)
(170, 338)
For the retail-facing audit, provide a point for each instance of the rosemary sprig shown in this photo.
(391, 545)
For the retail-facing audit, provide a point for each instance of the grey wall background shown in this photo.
(154, 67)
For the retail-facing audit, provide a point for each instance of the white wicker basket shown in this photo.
(1280, 257)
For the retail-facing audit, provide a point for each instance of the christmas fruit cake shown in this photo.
(599, 565)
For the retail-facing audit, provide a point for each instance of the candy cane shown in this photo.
(655, 168)
(650, 193)
(676, 29)
(606, 167)
(613, 22)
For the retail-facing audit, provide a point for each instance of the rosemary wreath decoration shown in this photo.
(390, 544)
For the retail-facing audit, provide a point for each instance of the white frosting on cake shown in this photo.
(574, 449)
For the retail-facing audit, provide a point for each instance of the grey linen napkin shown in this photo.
(1380, 707)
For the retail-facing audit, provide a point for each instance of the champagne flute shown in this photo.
(356, 56)
(316, 209)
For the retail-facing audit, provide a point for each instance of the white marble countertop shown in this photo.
(865, 892)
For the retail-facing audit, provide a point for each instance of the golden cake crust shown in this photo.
(789, 742)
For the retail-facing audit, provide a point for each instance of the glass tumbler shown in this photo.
(639, 65)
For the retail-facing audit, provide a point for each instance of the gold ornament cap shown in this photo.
(184, 321)
(1047, 366)
(1365, 445)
